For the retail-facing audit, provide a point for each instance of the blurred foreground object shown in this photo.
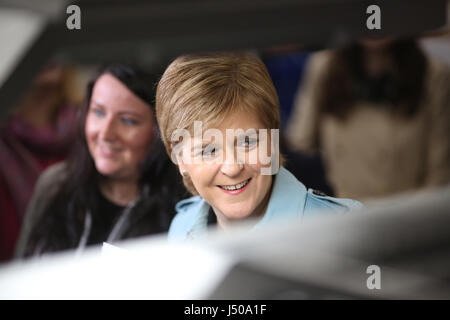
(323, 259)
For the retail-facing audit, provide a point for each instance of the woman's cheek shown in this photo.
(140, 139)
(89, 132)
(252, 158)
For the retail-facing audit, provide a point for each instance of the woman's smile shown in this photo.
(236, 188)
(108, 152)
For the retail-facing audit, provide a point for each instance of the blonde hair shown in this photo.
(208, 87)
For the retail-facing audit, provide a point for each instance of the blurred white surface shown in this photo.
(159, 271)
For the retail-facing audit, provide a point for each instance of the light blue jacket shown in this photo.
(289, 199)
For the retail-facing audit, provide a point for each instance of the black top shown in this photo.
(104, 218)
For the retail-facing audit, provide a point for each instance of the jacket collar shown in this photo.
(287, 199)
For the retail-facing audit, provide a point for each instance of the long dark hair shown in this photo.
(62, 222)
(401, 88)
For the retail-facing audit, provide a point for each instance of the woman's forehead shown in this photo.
(233, 118)
(109, 91)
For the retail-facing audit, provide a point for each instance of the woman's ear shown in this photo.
(178, 151)
(176, 154)
(181, 165)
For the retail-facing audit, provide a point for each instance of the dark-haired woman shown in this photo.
(119, 182)
(379, 113)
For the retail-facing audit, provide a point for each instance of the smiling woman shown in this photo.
(217, 181)
(119, 183)
(229, 93)
(119, 129)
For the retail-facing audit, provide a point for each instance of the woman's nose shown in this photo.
(107, 131)
(231, 169)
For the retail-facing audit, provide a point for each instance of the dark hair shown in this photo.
(62, 223)
(346, 81)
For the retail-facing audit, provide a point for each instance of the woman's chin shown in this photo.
(108, 171)
(239, 214)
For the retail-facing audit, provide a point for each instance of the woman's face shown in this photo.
(119, 128)
(235, 190)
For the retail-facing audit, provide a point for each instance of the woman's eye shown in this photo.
(249, 142)
(209, 151)
(129, 121)
(98, 112)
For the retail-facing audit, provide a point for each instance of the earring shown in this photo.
(185, 173)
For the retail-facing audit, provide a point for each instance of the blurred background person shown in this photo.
(378, 111)
(38, 134)
(118, 183)
(286, 65)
